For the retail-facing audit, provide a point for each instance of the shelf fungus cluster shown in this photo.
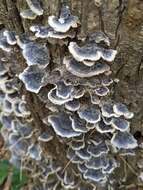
(81, 128)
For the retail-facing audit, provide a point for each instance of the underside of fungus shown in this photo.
(81, 121)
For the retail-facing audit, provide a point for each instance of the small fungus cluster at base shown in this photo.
(81, 117)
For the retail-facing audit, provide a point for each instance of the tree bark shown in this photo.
(122, 21)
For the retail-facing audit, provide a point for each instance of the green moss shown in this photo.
(18, 180)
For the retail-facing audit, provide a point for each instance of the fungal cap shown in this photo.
(63, 90)
(94, 175)
(64, 13)
(36, 54)
(90, 115)
(82, 168)
(13, 138)
(97, 162)
(33, 78)
(22, 40)
(103, 128)
(62, 125)
(7, 106)
(35, 6)
(120, 124)
(121, 109)
(98, 150)
(107, 110)
(94, 98)
(64, 26)
(124, 140)
(10, 36)
(34, 151)
(102, 91)
(55, 99)
(45, 137)
(73, 157)
(88, 63)
(4, 45)
(107, 81)
(83, 153)
(108, 54)
(90, 53)
(28, 14)
(112, 164)
(41, 31)
(72, 105)
(6, 121)
(78, 125)
(80, 70)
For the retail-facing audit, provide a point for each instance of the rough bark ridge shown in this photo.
(122, 21)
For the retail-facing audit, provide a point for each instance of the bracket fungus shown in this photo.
(6, 120)
(91, 52)
(62, 125)
(98, 150)
(121, 109)
(13, 138)
(63, 90)
(78, 124)
(45, 137)
(24, 130)
(95, 175)
(49, 32)
(64, 22)
(124, 140)
(36, 54)
(90, 114)
(72, 105)
(102, 127)
(102, 91)
(82, 168)
(20, 147)
(87, 52)
(34, 151)
(52, 96)
(97, 162)
(33, 78)
(10, 36)
(70, 130)
(107, 110)
(35, 6)
(28, 14)
(80, 70)
(112, 164)
(120, 124)
(4, 43)
(42, 31)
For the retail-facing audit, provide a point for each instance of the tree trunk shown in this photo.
(121, 20)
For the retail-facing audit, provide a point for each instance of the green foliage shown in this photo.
(18, 179)
(4, 169)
